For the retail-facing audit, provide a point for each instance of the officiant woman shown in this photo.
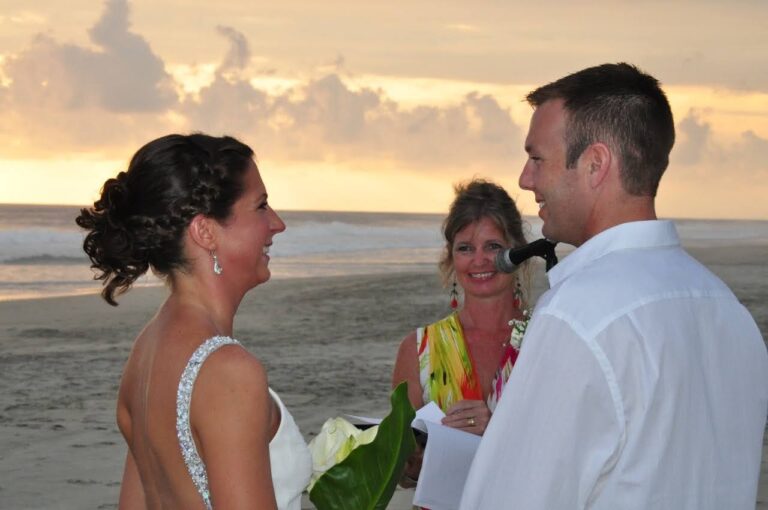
(462, 361)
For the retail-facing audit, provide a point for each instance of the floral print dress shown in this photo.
(446, 368)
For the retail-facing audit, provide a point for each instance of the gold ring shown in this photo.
(471, 421)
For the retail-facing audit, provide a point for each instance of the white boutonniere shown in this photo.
(518, 330)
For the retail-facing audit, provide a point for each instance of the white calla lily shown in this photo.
(336, 440)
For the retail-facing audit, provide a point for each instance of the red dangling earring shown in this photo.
(454, 296)
(518, 296)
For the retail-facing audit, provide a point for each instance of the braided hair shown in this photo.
(141, 217)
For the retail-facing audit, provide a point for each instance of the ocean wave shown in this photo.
(45, 246)
(31, 243)
(722, 230)
(340, 237)
(50, 260)
(5, 286)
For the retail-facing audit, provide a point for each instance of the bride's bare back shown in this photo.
(147, 407)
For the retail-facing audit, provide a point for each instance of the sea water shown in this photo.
(41, 246)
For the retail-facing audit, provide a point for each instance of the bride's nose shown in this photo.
(277, 224)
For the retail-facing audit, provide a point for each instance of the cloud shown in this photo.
(365, 123)
(696, 136)
(335, 113)
(230, 104)
(703, 153)
(120, 93)
(232, 107)
(326, 119)
(752, 150)
(60, 98)
(477, 130)
(121, 75)
(64, 97)
(239, 53)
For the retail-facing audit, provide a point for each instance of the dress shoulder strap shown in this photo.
(422, 352)
(192, 459)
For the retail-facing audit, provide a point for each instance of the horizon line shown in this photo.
(441, 213)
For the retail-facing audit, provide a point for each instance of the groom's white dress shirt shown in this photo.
(642, 383)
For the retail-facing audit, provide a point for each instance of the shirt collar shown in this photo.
(635, 234)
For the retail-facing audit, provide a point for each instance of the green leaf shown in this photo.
(367, 478)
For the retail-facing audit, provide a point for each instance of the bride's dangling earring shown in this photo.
(217, 269)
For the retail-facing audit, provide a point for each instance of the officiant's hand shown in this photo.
(468, 415)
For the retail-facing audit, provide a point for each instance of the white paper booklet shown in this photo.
(430, 412)
(447, 459)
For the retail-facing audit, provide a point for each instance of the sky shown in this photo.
(370, 106)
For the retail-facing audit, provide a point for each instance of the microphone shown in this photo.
(509, 260)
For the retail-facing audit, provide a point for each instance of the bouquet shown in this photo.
(359, 470)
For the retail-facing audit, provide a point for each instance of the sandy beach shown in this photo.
(328, 344)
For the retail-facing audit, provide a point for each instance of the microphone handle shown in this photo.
(547, 252)
(509, 260)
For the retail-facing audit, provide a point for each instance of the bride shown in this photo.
(203, 427)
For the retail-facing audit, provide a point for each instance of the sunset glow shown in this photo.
(356, 107)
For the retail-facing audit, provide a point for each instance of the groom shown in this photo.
(642, 382)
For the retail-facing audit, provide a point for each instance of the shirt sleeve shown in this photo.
(557, 429)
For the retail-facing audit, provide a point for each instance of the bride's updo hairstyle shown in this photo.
(141, 217)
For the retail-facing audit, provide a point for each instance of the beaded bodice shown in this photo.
(192, 459)
(290, 460)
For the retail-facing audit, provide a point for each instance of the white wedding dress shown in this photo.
(289, 456)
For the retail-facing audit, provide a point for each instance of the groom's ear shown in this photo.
(598, 158)
(202, 231)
